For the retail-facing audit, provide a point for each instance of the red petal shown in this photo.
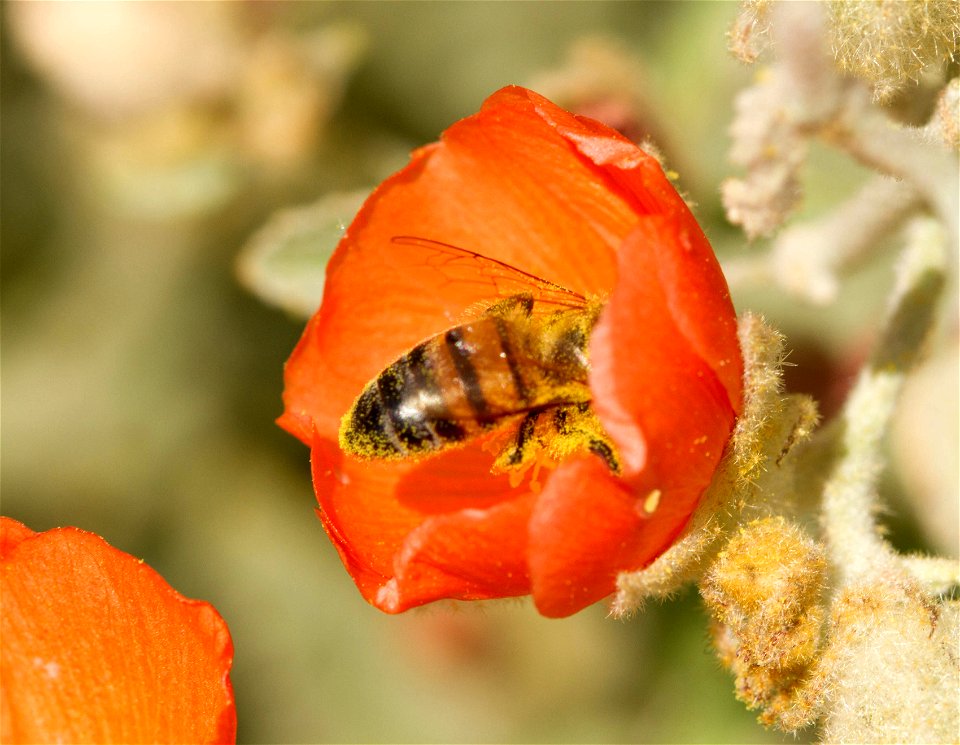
(665, 367)
(588, 526)
(409, 533)
(97, 647)
(664, 404)
(696, 295)
(473, 554)
(521, 181)
(12, 533)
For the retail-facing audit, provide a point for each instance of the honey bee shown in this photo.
(519, 369)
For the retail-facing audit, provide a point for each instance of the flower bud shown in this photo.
(888, 43)
(764, 592)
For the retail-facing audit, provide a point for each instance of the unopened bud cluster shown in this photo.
(764, 590)
(889, 42)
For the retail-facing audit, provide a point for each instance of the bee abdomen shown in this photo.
(401, 413)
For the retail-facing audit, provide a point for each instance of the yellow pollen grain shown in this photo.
(651, 502)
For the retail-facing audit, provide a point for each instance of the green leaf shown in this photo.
(284, 263)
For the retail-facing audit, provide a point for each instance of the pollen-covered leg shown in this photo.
(577, 429)
(522, 450)
(604, 449)
(553, 433)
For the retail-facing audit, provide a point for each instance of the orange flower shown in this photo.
(97, 647)
(573, 202)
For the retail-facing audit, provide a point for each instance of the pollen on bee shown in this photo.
(651, 502)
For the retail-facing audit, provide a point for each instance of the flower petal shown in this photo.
(661, 362)
(473, 554)
(522, 182)
(12, 533)
(697, 296)
(694, 286)
(588, 526)
(412, 532)
(663, 403)
(97, 647)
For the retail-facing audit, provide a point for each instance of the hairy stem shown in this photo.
(936, 574)
(849, 495)
(913, 155)
(809, 259)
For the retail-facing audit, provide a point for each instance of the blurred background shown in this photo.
(145, 148)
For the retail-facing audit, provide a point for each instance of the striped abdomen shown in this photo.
(468, 380)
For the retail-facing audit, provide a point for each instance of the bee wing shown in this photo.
(455, 264)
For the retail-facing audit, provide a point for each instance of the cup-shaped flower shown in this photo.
(570, 201)
(97, 647)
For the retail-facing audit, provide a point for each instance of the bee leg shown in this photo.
(603, 449)
(568, 430)
(515, 455)
(525, 438)
(561, 422)
(576, 428)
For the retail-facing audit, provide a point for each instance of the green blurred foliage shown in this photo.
(140, 382)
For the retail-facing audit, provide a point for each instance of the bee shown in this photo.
(518, 372)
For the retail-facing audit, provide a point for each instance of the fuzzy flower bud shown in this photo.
(768, 144)
(889, 42)
(749, 35)
(764, 591)
(891, 665)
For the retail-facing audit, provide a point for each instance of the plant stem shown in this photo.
(849, 494)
